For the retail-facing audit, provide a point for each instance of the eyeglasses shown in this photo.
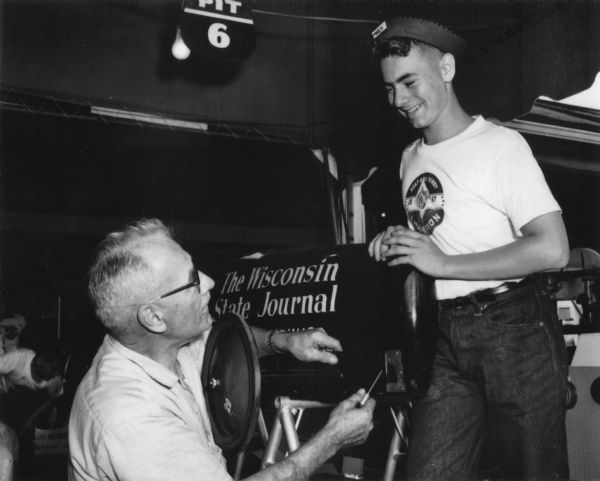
(195, 282)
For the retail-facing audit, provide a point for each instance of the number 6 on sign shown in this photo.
(220, 30)
(217, 35)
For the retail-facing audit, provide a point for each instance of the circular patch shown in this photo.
(424, 203)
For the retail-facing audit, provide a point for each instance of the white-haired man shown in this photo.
(139, 413)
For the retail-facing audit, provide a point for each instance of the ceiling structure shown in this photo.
(310, 79)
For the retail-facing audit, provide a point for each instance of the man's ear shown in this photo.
(447, 67)
(151, 319)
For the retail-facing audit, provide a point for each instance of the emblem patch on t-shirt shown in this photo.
(424, 203)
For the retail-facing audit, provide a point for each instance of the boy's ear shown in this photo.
(151, 319)
(448, 67)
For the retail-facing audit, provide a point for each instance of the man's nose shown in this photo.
(206, 283)
(400, 97)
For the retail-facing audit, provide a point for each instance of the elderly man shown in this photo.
(139, 413)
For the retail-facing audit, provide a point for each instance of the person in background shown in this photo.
(11, 326)
(139, 413)
(481, 220)
(22, 369)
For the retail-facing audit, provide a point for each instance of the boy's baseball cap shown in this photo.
(423, 30)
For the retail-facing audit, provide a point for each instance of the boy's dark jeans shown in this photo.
(499, 376)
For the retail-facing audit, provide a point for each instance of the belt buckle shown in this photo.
(486, 295)
(478, 304)
(481, 298)
(489, 295)
(505, 286)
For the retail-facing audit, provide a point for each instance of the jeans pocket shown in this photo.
(522, 309)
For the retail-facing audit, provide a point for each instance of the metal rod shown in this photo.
(397, 438)
(392, 458)
(299, 418)
(239, 464)
(291, 435)
(58, 317)
(399, 429)
(273, 444)
(262, 427)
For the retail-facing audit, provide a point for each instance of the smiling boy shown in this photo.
(481, 221)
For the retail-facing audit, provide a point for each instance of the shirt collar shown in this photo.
(153, 369)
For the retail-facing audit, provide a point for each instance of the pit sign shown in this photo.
(220, 30)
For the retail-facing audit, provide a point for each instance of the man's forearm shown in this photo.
(544, 245)
(518, 259)
(513, 260)
(261, 337)
(311, 345)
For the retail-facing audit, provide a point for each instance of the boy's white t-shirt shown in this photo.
(472, 193)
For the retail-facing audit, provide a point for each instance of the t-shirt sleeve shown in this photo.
(521, 188)
(159, 449)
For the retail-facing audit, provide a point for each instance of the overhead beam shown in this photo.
(11, 221)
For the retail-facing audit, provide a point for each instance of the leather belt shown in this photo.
(484, 296)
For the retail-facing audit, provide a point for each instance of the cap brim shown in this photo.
(423, 30)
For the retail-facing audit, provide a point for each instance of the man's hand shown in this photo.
(376, 247)
(542, 245)
(53, 386)
(399, 245)
(349, 425)
(313, 345)
(406, 246)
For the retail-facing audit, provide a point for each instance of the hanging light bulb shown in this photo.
(179, 49)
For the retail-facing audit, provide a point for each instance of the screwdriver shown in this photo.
(365, 398)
